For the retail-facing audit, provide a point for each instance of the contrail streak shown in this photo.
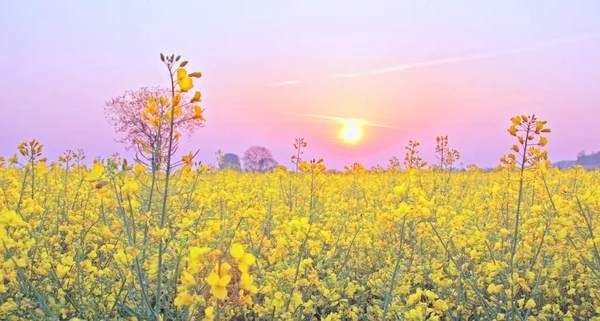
(454, 60)
(348, 121)
(286, 83)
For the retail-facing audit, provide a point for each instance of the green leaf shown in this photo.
(195, 74)
(162, 57)
(172, 57)
(183, 64)
(177, 59)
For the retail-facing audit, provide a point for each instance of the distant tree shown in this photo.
(230, 161)
(125, 114)
(591, 160)
(258, 158)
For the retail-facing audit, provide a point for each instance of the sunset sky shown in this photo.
(420, 68)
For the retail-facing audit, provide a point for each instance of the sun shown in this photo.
(351, 133)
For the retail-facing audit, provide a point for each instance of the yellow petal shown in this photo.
(224, 280)
(219, 293)
(181, 73)
(212, 279)
(185, 84)
(237, 251)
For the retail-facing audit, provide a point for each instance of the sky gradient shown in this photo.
(424, 68)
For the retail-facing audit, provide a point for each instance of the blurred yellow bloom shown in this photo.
(11, 219)
(181, 73)
(139, 169)
(130, 187)
(185, 84)
(183, 298)
(176, 100)
(13, 159)
(196, 97)
(97, 172)
(188, 159)
(198, 113)
(209, 314)
(218, 285)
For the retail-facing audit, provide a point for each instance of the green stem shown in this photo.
(515, 239)
(163, 215)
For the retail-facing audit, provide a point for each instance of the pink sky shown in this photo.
(442, 68)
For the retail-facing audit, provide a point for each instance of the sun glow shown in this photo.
(351, 133)
(351, 130)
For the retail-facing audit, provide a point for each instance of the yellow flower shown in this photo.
(139, 169)
(209, 314)
(493, 289)
(9, 306)
(151, 109)
(155, 121)
(185, 84)
(516, 121)
(278, 299)
(196, 97)
(41, 168)
(198, 113)
(62, 270)
(306, 263)
(176, 100)
(97, 172)
(440, 305)
(121, 258)
(218, 285)
(130, 187)
(13, 159)
(237, 251)
(107, 233)
(11, 219)
(188, 159)
(197, 254)
(246, 282)
(183, 298)
(187, 279)
(181, 73)
(530, 304)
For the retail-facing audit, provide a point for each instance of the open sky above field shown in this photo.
(420, 68)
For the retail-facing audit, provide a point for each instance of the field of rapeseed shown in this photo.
(183, 241)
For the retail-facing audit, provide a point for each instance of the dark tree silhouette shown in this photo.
(258, 158)
(230, 161)
(591, 160)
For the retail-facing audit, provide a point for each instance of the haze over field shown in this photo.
(416, 70)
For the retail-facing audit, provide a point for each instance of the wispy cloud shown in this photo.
(453, 60)
(347, 121)
(286, 83)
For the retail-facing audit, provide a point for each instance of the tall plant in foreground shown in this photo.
(527, 153)
(146, 251)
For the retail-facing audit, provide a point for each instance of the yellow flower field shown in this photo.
(418, 244)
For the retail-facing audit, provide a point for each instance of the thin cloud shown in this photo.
(349, 121)
(454, 60)
(286, 83)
